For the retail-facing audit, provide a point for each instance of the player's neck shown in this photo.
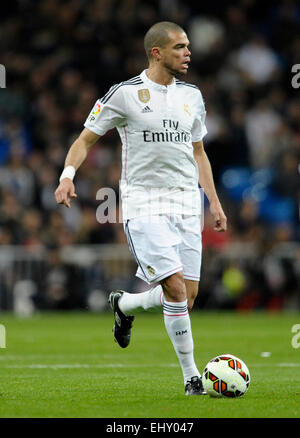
(159, 76)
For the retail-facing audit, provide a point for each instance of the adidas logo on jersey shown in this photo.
(147, 109)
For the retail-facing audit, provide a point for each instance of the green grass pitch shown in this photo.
(67, 365)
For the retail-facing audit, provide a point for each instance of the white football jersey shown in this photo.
(157, 125)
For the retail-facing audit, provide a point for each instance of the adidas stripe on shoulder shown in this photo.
(134, 81)
(179, 82)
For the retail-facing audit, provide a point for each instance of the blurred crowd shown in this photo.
(60, 56)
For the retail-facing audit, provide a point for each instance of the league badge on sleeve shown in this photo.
(96, 110)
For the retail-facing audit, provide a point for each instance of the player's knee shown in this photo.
(174, 288)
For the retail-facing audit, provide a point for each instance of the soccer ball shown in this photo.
(226, 376)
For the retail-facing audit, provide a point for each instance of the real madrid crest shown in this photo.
(144, 95)
(187, 109)
(151, 270)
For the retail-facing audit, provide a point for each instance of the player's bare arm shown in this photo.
(207, 182)
(75, 157)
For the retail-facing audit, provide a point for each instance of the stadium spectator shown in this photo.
(61, 55)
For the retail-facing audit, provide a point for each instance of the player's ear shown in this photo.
(155, 51)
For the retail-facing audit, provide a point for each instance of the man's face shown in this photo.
(175, 55)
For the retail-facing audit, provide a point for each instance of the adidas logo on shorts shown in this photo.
(147, 109)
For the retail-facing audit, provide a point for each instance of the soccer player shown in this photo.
(161, 122)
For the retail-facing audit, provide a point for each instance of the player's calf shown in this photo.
(174, 287)
(192, 288)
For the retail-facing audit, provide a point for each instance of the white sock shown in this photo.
(151, 301)
(178, 325)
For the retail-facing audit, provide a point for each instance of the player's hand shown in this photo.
(65, 192)
(219, 216)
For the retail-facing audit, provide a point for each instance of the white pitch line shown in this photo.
(114, 365)
(297, 364)
(10, 357)
(78, 365)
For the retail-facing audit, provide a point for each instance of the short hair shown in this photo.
(158, 35)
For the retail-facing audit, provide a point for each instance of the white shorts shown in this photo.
(163, 245)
